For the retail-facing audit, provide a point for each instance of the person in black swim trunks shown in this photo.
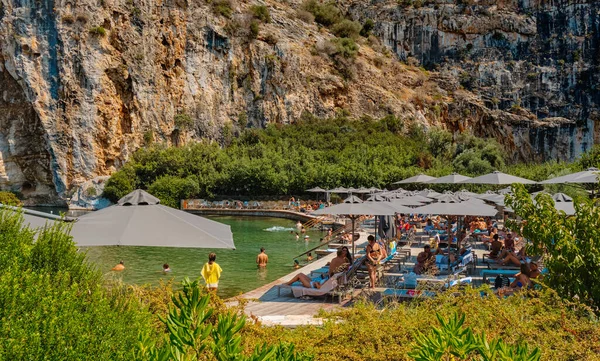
(373, 258)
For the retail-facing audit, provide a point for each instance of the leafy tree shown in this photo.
(120, 184)
(171, 189)
(570, 245)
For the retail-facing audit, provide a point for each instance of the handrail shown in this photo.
(346, 228)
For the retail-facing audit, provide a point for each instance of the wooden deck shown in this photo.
(286, 310)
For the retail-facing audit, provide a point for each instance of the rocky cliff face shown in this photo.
(86, 82)
(538, 56)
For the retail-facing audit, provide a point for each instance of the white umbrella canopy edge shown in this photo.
(139, 220)
(452, 178)
(587, 176)
(419, 178)
(498, 178)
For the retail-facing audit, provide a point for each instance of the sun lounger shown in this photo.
(487, 273)
(408, 293)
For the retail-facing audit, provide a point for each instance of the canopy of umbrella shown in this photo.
(138, 219)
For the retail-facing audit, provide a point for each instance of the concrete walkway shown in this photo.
(269, 308)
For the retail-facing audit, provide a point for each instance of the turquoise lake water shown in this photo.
(143, 264)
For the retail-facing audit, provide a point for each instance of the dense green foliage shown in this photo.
(290, 159)
(570, 245)
(562, 330)
(193, 335)
(452, 341)
(9, 198)
(52, 302)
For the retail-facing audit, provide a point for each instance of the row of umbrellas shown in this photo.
(589, 175)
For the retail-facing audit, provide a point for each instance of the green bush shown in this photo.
(52, 304)
(98, 30)
(347, 29)
(170, 189)
(367, 28)
(183, 121)
(326, 14)
(346, 47)
(120, 184)
(261, 13)
(222, 7)
(9, 199)
(451, 340)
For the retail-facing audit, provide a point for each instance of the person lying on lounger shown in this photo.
(305, 280)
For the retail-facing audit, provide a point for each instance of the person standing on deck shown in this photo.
(211, 272)
(262, 258)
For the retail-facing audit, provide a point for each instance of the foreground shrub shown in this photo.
(52, 304)
(192, 335)
(9, 199)
(562, 330)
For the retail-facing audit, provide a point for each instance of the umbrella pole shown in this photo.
(353, 247)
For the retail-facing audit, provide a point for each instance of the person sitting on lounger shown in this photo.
(522, 279)
(305, 280)
(425, 260)
(496, 246)
(339, 263)
(347, 254)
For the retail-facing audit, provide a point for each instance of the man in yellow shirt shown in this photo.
(211, 272)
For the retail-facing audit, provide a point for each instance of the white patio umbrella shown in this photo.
(429, 193)
(419, 178)
(340, 190)
(464, 208)
(497, 177)
(320, 190)
(34, 219)
(587, 176)
(449, 179)
(138, 219)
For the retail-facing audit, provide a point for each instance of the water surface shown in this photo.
(240, 274)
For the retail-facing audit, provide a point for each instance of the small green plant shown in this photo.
(68, 19)
(98, 31)
(326, 14)
(242, 119)
(261, 13)
(347, 29)
(346, 47)
(91, 192)
(148, 137)
(183, 121)
(222, 7)
(576, 55)
(452, 341)
(367, 28)
(532, 76)
(254, 29)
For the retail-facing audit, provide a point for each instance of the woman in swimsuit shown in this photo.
(305, 280)
(373, 258)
